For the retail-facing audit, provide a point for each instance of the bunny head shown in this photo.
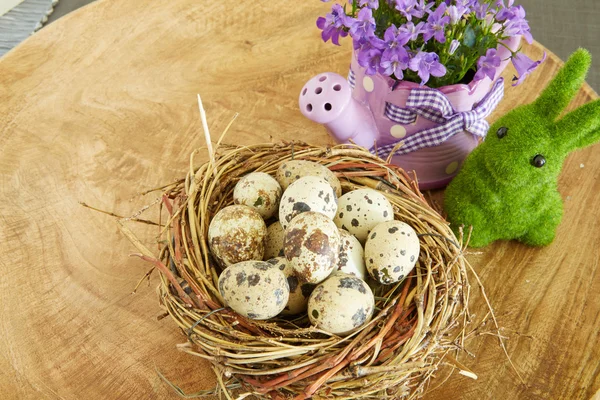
(529, 144)
(507, 188)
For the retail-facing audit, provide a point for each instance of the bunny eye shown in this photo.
(502, 132)
(538, 161)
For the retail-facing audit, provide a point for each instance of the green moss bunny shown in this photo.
(507, 188)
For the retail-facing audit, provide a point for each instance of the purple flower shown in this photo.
(461, 8)
(481, 10)
(361, 43)
(455, 14)
(410, 31)
(363, 26)
(374, 4)
(436, 23)
(453, 47)
(487, 65)
(426, 64)
(524, 66)
(502, 8)
(392, 39)
(412, 8)
(333, 25)
(515, 23)
(370, 59)
(395, 62)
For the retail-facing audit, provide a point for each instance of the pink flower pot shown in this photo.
(354, 110)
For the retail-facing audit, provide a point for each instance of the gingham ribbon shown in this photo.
(351, 78)
(434, 106)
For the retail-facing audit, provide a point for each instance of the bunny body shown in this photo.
(508, 187)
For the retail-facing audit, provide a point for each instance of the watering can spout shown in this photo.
(327, 99)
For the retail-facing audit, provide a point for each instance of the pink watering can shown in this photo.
(438, 128)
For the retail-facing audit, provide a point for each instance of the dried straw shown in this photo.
(419, 323)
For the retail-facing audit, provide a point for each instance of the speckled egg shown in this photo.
(391, 251)
(274, 243)
(254, 289)
(237, 233)
(360, 210)
(260, 191)
(341, 304)
(291, 171)
(311, 246)
(299, 290)
(310, 193)
(352, 257)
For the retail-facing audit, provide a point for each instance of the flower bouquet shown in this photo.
(427, 74)
(437, 43)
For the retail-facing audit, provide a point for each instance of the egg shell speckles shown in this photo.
(291, 171)
(352, 257)
(311, 246)
(341, 304)
(260, 191)
(361, 210)
(254, 289)
(237, 233)
(310, 193)
(299, 290)
(274, 242)
(391, 251)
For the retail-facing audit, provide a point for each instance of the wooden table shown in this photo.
(101, 105)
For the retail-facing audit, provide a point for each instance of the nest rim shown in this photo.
(419, 324)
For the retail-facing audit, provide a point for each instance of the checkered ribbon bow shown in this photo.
(434, 106)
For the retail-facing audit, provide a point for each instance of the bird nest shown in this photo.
(418, 325)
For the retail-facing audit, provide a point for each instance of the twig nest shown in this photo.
(414, 322)
(237, 233)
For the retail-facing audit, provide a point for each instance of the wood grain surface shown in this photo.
(101, 106)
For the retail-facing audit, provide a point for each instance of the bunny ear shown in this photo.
(561, 90)
(581, 128)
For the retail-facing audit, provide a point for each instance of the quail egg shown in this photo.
(260, 191)
(311, 246)
(254, 289)
(391, 251)
(360, 210)
(310, 193)
(237, 233)
(341, 304)
(299, 290)
(274, 243)
(351, 258)
(291, 171)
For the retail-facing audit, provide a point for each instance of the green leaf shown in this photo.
(469, 37)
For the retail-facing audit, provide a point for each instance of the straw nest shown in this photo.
(418, 325)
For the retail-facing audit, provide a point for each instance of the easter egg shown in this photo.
(360, 210)
(391, 251)
(237, 233)
(254, 289)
